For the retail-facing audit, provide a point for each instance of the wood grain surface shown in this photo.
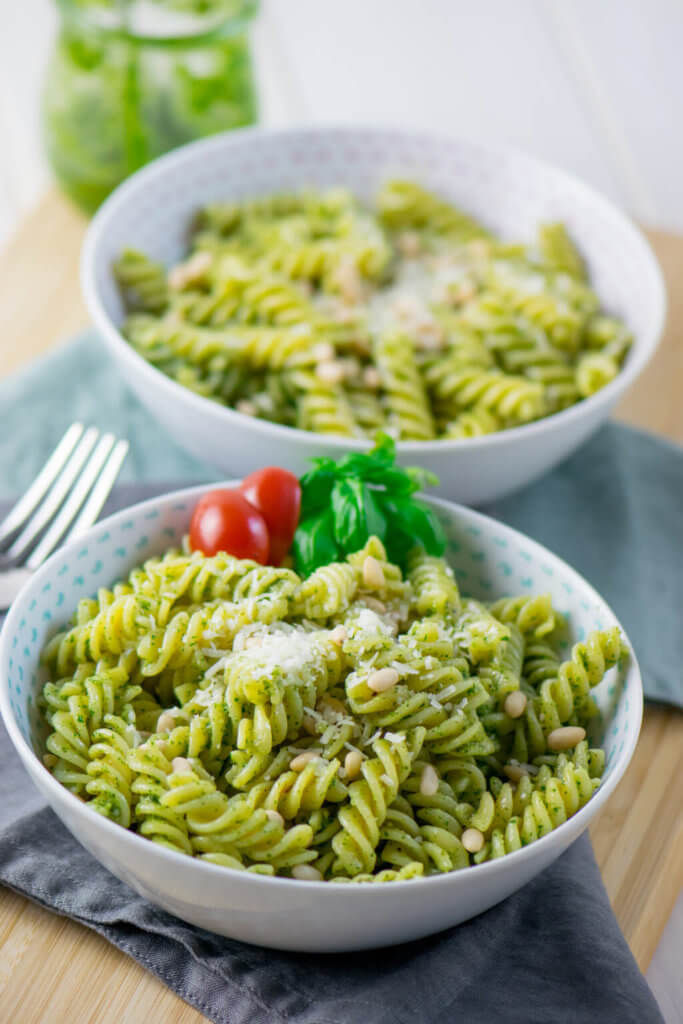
(48, 962)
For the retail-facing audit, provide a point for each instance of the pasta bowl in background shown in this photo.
(510, 193)
(490, 560)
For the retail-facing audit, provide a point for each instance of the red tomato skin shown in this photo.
(276, 493)
(223, 520)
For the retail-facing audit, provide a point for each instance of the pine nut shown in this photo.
(339, 635)
(428, 334)
(308, 724)
(323, 352)
(373, 573)
(306, 873)
(165, 721)
(472, 839)
(515, 704)
(341, 314)
(299, 762)
(566, 737)
(352, 763)
(275, 817)
(351, 368)
(374, 604)
(349, 281)
(515, 772)
(409, 243)
(383, 679)
(406, 307)
(372, 378)
(181, 766)
(192, 270)
(330, 372)
(246, 407)
(429, 782)
(466, 291)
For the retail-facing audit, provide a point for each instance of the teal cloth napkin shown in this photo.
(612, 510)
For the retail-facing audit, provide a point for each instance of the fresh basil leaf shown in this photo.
(369, 464)
(357, 514)
(314, 544)
(412, 523)
(364, 494)
(316, 490)
(394, 479)
(385, 447)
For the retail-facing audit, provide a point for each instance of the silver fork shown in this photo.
(64, 500)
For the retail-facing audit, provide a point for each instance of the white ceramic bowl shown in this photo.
(509, 192)
(489, 559)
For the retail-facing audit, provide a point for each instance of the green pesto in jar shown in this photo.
(132, 79)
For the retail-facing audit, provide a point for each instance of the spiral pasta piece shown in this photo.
(327, 591)
(322, 406)
(473, 422)
(508, 397)
(157, 822)
(142, 281)
(547, 806)
(405, 395)
(109, 770)
(533, 616)
(561, 698)
(219, 824)
(436, 592)
(594, 371)
(559, 252)
(369, 799)
(403, 204)
(110, 632)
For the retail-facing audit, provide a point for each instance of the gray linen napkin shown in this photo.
(550, 954)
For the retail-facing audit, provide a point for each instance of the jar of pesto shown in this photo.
(131, 79)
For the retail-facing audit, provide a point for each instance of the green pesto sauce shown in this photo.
(113, 103)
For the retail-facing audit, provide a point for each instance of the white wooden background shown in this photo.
(593, 85)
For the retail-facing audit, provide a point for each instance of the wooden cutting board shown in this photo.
(48, 964)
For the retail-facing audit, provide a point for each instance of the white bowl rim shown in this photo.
(492, 867)
(175, 392)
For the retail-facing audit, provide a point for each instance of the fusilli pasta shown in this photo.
(352, 726)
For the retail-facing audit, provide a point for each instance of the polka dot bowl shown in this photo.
(490, 560)
(509, 192)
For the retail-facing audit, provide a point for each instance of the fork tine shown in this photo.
(107, 457)
(100, 492)
(27, 504)
(55, 495)
(73, 502)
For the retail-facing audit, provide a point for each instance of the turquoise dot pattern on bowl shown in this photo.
(487, 561)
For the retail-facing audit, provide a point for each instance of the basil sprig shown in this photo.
(365, 493)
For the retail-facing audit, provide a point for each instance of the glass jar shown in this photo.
(131, 79)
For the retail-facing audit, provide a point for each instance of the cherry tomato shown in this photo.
(226, 521)
(276, 493)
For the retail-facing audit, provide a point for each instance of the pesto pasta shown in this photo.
(357, 725)
(312, 311)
